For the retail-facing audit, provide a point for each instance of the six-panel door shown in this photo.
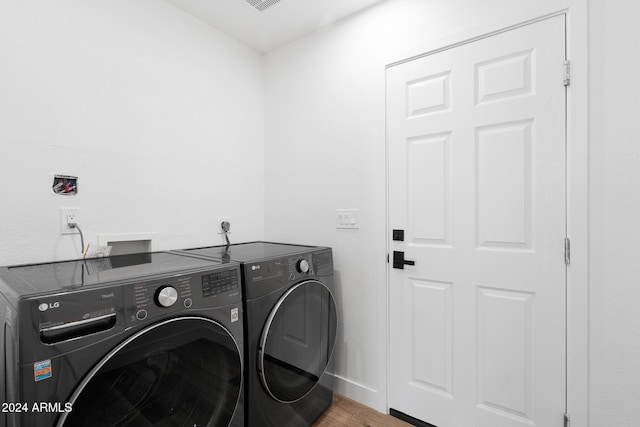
(476, 138)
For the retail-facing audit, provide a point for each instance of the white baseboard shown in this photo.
(359, 393)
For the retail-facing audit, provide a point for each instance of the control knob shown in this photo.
(303, 266)
(166, 296)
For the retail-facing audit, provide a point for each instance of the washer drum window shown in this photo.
(180, 372)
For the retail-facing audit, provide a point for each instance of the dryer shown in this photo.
(153, 339)
(290, 329)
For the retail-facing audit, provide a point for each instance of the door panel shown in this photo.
(503, 185)
(432, 316)
(476, 138)
(428, 181)
(505, 360)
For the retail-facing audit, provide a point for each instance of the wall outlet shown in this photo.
(69, 215)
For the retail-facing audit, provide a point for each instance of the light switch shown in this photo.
(347, 218)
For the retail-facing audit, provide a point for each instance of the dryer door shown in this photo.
(297, 341)
(181, 372)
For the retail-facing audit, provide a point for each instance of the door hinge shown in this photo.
(566, 68)
(567, 251)
(567, 420)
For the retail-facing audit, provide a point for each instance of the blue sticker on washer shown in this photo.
(42, 370)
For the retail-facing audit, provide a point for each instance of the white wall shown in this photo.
(162, 119)
(614, 214)
(325, 149)
(159, 115)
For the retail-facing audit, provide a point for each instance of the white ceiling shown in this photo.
(275, 26)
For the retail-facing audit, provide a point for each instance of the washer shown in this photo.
(290, 329)
(152, 339)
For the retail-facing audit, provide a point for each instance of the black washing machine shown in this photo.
(290, 329)
(153, 339)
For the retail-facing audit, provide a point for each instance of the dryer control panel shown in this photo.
(263, 277)
(300, 266)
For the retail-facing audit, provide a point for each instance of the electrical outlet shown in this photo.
(69, 215)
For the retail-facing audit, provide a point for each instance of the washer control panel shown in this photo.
(155, 296)
(219, 282)
(211, 288)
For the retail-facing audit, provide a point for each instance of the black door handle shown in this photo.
(399, 261)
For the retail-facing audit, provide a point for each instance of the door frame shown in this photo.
(577, 187)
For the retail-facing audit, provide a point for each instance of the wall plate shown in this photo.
(347, 218)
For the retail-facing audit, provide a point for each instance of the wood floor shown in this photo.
(345, 412)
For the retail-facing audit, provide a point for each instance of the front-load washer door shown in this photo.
(180, 372)
(297, 341)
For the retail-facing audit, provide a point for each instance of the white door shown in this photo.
(476, 138)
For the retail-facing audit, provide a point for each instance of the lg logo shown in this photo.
(255, 267)
(44, 306)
